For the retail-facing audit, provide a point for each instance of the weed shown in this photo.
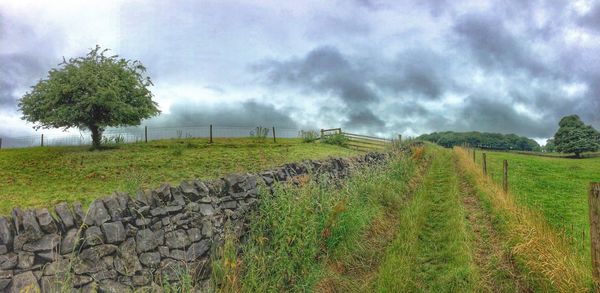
(259, 134)
(336, 139)
(308, 135)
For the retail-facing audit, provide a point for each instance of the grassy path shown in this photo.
(496, 265)
(431, 252)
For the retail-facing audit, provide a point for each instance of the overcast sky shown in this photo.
(373, 67)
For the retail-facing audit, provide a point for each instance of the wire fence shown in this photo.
(143, 134)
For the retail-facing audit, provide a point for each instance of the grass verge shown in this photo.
(296, 234)
(547, 261)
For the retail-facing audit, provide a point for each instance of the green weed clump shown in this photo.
(336, 139)
(297, 232)
(308, 135)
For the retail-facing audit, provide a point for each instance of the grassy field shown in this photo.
(33, 177)
(556, 187)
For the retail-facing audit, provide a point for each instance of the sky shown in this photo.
(372, 67)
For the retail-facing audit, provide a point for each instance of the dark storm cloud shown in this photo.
(493, 46)
(248, 113)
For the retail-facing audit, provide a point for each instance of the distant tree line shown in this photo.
(486, 140)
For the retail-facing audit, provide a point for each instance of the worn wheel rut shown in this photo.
(497, 269)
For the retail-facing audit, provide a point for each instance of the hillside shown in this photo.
(34, 177)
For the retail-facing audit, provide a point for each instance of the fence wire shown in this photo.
(141, 133)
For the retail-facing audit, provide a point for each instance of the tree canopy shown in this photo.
(573, 136)
(482, 139)
(92, 92)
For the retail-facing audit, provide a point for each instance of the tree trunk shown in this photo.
(96, 136)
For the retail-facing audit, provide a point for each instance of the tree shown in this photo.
(575, 137)
(91, 92)
(550, 146)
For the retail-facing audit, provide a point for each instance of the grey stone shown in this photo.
(110, 286)
(8, 261)
(127, 262)
(47, 242)
(3, 249)
(26, 259)
(46, 221)
(4, 284)
(94, 236)
(6, 274)
(97, 214)
(164, 251)
(49, 255)
(178, 198)
(30, 223)
(163, 193)
(114, 232)
(91, 287)
(195, 234)
(64, 215)
(143, 278)
(170, 269)
(86, 267)
(26, 236)
(202, 188)
(229, 204)
(69, 241)
(24, 282)
(197, 249)
(52, 283)
(192, 207)
(177, 239)
(177, 254)
(95, 253)
(17, 216)
(78, 213)
(142, 222)
(79, 281)
(207, 209)
(207, 229)
(57, 267)
(104, 274)
(6, 231)
(147, 240)
(114, 208)
(150, 259)
(165, 210)
(156, 226)
(189, 189)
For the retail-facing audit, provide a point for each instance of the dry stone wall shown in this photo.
(124, 243)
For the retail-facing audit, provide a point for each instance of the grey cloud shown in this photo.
(591, 19)
(248, 113)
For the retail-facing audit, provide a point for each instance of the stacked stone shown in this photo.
(124, 243)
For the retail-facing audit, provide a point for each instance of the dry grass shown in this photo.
(548, 260)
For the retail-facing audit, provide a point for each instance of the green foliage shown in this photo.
(482, 139)
(293, 234)
(92, 92)
(550, 146)
(259, 134)
(309, 135)
(335, 139)
(42, 177)
(575, 137)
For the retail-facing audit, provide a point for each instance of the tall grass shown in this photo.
(548, 262)
(294, 234)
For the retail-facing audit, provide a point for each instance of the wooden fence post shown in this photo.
(274, 140)
(0, 143)
(505, 176)
(146, 134)
(399, 137)
(42, 140)
(594, 208)
(322, 132)
(473, 155)
(484, 163)
(210, 134)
